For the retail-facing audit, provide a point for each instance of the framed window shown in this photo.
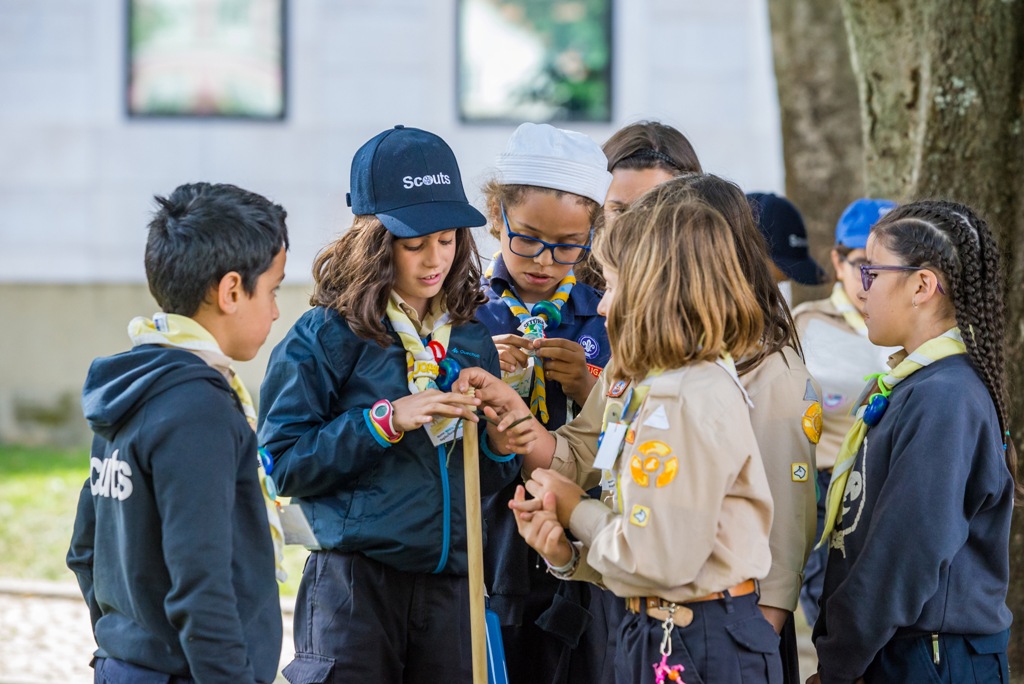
(535, 60)
(206, 58)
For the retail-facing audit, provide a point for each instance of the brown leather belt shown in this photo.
(657, 607)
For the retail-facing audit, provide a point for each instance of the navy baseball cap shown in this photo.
(410, 180)
(857, 219)
(783, 228)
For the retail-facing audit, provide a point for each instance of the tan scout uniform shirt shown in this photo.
(838, 357)
(693, 507)
(784, 394)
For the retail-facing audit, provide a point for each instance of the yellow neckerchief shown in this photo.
(535, 326)
(949, 343)
(181, 332)
(422, 367)
(843, 305)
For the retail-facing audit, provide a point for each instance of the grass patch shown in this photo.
(38, 498)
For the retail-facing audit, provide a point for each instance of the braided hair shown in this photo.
(949, 238)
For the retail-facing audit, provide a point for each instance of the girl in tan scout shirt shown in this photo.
(684, 533)
(786, 412)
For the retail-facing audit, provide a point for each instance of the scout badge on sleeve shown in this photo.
(533, 326)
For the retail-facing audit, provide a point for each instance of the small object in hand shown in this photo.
(490, 420)
(448, 373)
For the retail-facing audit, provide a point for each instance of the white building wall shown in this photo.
(77, 175)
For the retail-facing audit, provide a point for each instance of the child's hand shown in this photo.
(566, 362)
(567, 494)
(540, 528)
(416, 410)
(512, 351)
(491, 391)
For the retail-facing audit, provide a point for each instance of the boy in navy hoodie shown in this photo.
(172, 544)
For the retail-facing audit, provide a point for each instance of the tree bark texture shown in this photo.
(941, 85)
(820, 115)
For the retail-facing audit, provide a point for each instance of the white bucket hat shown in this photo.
(547, 157)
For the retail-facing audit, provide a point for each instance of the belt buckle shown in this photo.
(657, 609)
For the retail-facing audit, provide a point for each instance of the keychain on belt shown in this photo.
(662, 670)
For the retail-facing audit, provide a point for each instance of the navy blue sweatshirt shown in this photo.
(171, 545)
(923, 545)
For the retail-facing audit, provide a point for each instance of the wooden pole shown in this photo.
(475, 551)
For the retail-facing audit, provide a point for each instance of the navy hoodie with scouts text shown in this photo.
(171, 544)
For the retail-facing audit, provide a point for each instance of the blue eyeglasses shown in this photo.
(531, 248)
(867, 277)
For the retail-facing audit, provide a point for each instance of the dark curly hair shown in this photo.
(952, 240)
(497, 193)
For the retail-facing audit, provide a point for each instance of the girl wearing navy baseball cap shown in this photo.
(358, 415)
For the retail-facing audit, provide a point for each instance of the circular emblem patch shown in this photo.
(811, 423)
(590, 346)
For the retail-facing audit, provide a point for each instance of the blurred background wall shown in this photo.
(77, 173)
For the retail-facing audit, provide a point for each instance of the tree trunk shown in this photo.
(820, 115)
(941, 86)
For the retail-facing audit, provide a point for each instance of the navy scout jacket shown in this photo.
(401, 504)
(171, 544)
(923, 545)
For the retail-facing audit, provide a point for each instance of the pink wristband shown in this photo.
(382, 414)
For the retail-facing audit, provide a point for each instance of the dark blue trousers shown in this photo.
(963, 659)
(728, 642)
(358, 620)
(114, 671)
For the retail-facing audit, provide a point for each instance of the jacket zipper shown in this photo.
(442, 462)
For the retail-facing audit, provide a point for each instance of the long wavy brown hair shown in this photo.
(681, 294)
(779, 328)
(354, 275)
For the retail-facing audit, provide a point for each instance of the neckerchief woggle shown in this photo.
(181, 332)
(949, 343)
(841, 301)
(422, 366)
(533, 326)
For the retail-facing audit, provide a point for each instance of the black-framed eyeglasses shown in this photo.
(531, 247)
(867, 277)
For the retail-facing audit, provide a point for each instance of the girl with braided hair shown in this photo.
(918, 511)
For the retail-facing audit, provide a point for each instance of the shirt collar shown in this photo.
(426, 326)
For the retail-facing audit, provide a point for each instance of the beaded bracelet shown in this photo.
(382, 415)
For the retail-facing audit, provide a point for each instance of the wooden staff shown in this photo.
(475, 551)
